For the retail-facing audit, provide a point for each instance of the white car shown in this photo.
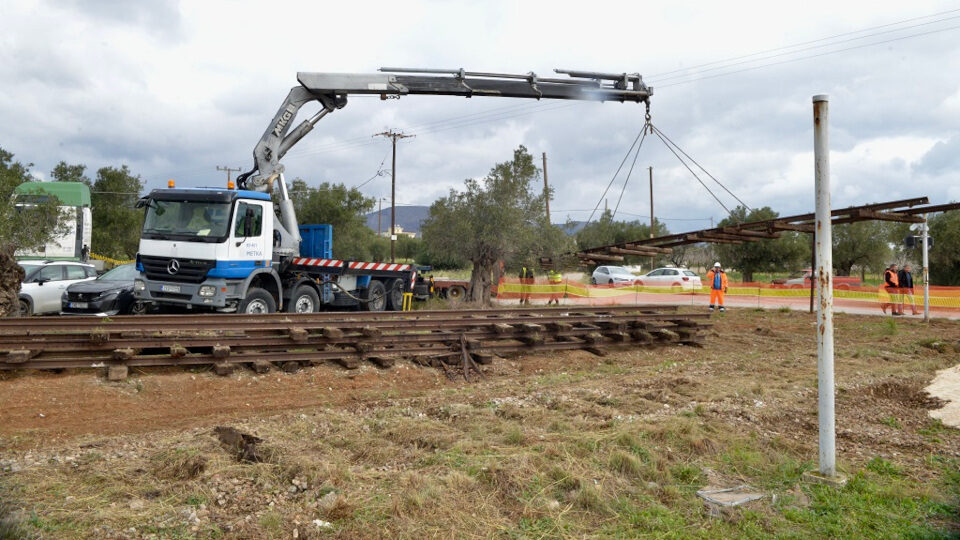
(687, 280)
(46, 281)
(612, 275)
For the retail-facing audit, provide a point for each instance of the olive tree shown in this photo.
(783, 253)
(25, 227)
(501, 217)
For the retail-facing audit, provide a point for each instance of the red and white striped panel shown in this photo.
(389, 267)
(306, 261)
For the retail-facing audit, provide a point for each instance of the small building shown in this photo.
(398, 230)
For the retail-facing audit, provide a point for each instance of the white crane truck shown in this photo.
(241, 250)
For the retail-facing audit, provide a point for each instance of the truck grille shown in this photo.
(190, 270)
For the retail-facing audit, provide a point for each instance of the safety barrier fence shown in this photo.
(115, 262)
(740, 294)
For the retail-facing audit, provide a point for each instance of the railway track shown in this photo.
(462, 337)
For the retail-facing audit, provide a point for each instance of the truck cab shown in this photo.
(206, 247)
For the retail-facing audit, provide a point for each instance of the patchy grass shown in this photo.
(564, 447)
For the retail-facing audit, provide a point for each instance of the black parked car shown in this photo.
(109, 294)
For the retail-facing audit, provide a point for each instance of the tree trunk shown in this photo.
(11, 275)
(497, 272)
(480, 282)
(747, 276)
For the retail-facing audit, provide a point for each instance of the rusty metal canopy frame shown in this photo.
(903, 211)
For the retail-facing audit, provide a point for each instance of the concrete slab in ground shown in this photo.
(946, 386)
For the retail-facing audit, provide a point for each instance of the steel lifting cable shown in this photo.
(640, 137)
(622, 190)
(662, 136)
(657, 133)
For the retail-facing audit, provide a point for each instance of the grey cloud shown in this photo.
(160, 18)
(943, 158)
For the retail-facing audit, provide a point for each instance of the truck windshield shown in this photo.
(198, 221)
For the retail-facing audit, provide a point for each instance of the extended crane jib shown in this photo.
(586, 86)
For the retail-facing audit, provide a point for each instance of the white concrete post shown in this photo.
(824, 277)
(926, 272)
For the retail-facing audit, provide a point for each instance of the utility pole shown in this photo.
(393, 135)
(651, 201)
(823, 274)
(650, 169)
(379, 214)
(926, 271)
(546, 188)
(228, 171)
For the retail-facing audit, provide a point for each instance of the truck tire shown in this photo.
(456, 293)
(304, 300)
(257, 302)
(395, 295)
(374, 297)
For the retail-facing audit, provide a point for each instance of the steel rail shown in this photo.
(283, 338)
(234, 320)
(16, 334)
(240, 343)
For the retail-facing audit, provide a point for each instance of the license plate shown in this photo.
(79, 305)
(170, 288)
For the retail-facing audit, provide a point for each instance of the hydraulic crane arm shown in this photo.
(332, 89)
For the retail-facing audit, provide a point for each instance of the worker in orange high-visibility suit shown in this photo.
(717, 279)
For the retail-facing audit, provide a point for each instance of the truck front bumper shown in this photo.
(187, 294)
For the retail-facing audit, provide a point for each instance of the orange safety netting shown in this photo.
(741, 294)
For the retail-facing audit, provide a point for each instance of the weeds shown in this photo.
(889, 327)
(892, 422)
(584, 456)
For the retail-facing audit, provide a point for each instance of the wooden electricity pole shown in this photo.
(393, 135)
(651, 201)
(546, 187)
(228, 170)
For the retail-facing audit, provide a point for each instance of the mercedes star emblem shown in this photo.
(173, 266)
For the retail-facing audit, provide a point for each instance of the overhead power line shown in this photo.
(808, 57)
(795, 45)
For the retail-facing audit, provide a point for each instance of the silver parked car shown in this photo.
(612, 275)
(683, 278)
(46, 281)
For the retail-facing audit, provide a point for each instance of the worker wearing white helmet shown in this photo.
(717, 279)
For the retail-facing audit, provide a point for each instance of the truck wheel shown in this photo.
(457, 293)
(257, 302)
(374, 297)
(395, 295)
(137, 308)
(305, 300)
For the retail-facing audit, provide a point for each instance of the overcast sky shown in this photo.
(175, 89)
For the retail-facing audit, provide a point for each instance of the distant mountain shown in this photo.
(408, 217)
(572, 227)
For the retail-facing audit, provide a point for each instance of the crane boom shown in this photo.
(332, 89)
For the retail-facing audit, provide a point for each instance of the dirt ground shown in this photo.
(330, 431)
